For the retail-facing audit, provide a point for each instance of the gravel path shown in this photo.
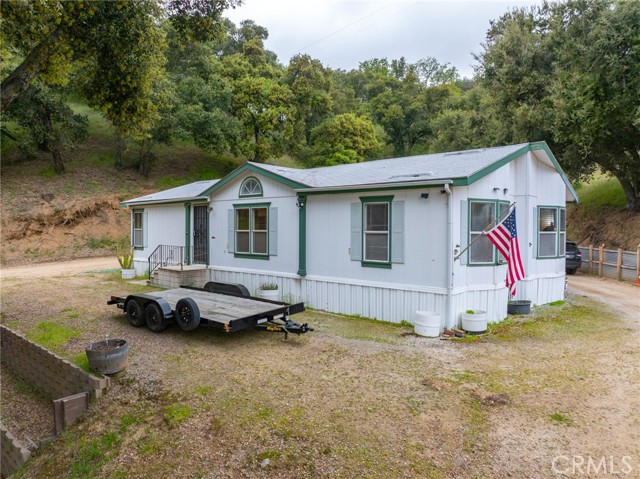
(60, 268)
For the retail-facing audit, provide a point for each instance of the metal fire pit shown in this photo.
(109, 356)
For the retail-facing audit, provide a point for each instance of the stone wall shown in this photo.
(12, 454)
(54, 376)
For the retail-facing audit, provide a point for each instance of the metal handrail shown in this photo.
(166, 255)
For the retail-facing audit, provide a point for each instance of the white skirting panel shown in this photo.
(366, 300)
(394, 304)
(541, 290)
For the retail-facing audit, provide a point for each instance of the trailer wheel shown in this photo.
(134, 313)
(154, 317)
(187, 314)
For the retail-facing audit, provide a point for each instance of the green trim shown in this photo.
(250, 206)
(542, 145)
(187, 232)
(373, 264)
(254, 195)
(376, 199)
(302, 235)
(254, 169)
(367, 190)
(493, 166)
(367, 263)
(251, 256)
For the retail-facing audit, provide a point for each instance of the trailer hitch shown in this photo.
(286, 327)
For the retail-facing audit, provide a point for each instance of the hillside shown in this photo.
(46, 217)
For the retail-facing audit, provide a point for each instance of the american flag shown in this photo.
(505, 237)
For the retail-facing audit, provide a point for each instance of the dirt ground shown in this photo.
(546, 395)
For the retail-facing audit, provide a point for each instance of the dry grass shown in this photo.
(355, 398)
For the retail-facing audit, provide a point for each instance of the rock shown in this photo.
(265, 463)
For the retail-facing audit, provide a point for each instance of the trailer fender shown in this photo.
(164, 306)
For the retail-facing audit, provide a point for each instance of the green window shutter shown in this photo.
(397, 232)
(356, 231)
(231, 231)
(145, 229)
(273, 231)
(464, 230)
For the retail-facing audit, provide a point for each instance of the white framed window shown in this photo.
(376, 231)
(483, 215)
(138, 228)
(552, 235)
(250, 187)
(252, 230)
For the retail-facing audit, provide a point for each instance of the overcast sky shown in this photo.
(341, 34)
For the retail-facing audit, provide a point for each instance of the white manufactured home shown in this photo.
(379, 239)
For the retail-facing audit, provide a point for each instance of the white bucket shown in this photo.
(427, 323)
(474, 323)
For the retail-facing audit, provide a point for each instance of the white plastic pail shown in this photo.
(427, 323)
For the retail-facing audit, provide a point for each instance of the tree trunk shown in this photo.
(120, 147)
(633, 204)
(51, 143)
(58, 163)
(20, 78)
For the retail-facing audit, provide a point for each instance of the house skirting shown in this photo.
(391, 302)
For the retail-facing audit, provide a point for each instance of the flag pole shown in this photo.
(484, 231)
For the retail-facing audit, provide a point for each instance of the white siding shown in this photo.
(165, 224)
(279, 196)
(329, 239)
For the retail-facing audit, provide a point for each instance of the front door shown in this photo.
(201, 234)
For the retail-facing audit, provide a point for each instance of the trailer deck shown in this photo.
(221, 305)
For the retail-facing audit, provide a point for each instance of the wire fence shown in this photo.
(616, 264)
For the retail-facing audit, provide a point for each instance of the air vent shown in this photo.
(468, 152)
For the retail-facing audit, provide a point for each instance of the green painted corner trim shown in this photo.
(542, 145)
(302, 235)
(493, 166)
(253, 169)
(373, 264)
(187, 232)
(377, 199)
(251, 256)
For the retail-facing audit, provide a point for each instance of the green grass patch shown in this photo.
(176, 413)
(203, 390)
(48, 173)
(562, 419)
(82, 361)
(601, 191)
(52, 335)
(93, 455)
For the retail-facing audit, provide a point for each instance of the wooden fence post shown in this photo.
(619, 264)
(600, 259)
(591, 258)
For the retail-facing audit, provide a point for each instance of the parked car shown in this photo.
(573, 258)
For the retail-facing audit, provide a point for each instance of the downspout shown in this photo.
(449, 319)
(302, 235)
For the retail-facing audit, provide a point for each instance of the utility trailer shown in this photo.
(224, 306)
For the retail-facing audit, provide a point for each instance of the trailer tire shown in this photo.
(154, 317)
(187, 314)
(135, 315)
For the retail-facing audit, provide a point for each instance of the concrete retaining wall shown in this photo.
(53, 375)
(12, 454)
(173, 276)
